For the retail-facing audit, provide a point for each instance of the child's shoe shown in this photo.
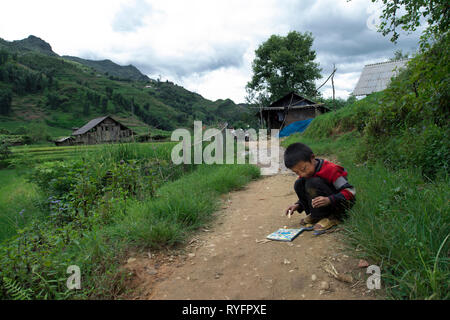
(308, 221)
(325, 224)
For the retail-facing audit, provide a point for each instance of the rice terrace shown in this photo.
(328, 181)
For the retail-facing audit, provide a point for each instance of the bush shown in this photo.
(5, 153)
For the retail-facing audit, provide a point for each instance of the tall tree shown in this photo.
(283, 64)
(5, 101)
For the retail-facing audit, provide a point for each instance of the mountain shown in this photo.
(36, 84)
(110, 68)
(35, 44)
(32, 43)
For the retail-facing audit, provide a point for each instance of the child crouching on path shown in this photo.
(322, 188)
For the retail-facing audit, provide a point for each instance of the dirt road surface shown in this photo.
(230, 258)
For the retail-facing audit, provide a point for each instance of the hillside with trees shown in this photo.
(59, 93)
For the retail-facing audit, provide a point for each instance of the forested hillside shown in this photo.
(59, 93)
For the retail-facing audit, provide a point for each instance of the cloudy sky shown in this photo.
(207, 46)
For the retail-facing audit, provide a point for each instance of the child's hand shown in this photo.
(291, 209)
(320, 202)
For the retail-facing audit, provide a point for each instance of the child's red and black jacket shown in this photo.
(336, 176)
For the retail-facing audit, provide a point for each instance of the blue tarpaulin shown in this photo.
(298, 126)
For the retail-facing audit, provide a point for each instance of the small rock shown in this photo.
(313, 277)
(286, 261)
(324, 285)
(363, 264)
(345, 278)
(151, 271)
(131, 260)
(321, 292)
(191, 255)
(188, 278)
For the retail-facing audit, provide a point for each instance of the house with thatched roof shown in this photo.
(99, 130)
(376, 77)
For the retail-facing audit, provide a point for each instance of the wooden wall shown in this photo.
(107, 131)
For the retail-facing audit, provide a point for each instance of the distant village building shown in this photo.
(289, 109)
(99, 130)
(376, 77)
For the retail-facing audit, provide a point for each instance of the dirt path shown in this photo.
(230, 260)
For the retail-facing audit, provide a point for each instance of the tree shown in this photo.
(104, 105)
(407, 15)
(109, 92)
(53, 100)
(3, 57)
(283, 64)
(5, 101)
(86, 108)
(399, 55)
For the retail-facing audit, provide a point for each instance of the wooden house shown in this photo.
(99, 130)
(290, 108)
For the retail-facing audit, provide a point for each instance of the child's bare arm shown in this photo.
(292, 208)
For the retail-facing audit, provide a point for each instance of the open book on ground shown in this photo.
(287, 234)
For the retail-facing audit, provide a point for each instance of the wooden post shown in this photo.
(332, 83)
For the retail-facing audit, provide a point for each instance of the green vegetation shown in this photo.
(399, 222)
(92, 208)
(395, 146)
(407, 15)
(67, 92)
(112, 70)
(19, 202)
(283, 65)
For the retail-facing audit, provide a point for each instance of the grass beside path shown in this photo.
(182, 205)
(400, 221)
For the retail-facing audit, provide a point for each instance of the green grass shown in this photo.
(182, 206)
(16, 196)
(27, 156)
(400, 222)
(185, 199)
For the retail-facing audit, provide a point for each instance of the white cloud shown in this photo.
(203, 45)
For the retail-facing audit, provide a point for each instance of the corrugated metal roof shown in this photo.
(88, 126)
(376, 77)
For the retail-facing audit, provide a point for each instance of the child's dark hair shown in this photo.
(295, 153)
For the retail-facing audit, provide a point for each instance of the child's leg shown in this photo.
(300, 189)
(316, 187)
